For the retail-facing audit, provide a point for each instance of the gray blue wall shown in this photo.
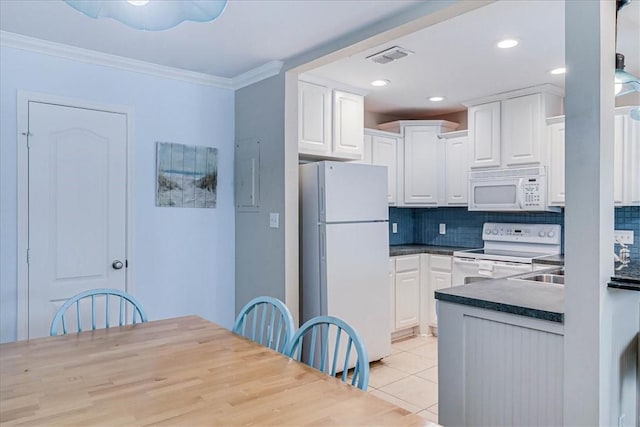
(184, 258)
(464, 228)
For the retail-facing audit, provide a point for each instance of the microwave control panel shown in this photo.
(533, 193)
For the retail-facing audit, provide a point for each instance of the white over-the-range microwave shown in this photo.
(522, 189)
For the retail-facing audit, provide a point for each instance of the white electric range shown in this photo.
(509, 249)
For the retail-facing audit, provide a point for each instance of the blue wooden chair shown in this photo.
(321, 327)
(122, 298)
(270, 323)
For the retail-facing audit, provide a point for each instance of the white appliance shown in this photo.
(509, 249)
(523, 189)
(344, 243)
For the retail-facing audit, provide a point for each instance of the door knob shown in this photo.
(117, 264)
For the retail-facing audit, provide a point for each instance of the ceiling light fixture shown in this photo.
(155, 16)
(380, 83)
(436, 98)
(507, 43)
(560, 70)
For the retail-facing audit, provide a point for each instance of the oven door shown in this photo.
(466, 270)
(503, 194)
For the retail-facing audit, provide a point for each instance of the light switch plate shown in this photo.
(624, 236)
(274, 220)
(443, 229)
(394, 227)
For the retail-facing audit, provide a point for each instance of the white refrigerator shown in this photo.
(344, 249)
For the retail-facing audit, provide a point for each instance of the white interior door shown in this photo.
(77, 206)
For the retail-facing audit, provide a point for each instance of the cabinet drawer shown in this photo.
(407, 263)
(440, 262)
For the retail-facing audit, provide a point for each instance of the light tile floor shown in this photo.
(409, 377)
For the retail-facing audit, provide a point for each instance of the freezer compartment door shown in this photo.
(352, 192)
(356, 283)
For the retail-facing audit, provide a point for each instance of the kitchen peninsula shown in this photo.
(501, 349)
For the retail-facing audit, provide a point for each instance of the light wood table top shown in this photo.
(185, 371)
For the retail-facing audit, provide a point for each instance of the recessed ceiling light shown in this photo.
(560, 70)
(507, 43)
(380, 82)
(436, 98)
(138, 2)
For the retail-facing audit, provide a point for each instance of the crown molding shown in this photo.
(254, 75)
(19, 41)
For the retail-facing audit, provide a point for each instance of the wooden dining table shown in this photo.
(184, 371)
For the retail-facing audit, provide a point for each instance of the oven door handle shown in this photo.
(465, 260)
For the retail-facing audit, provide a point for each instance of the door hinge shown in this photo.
(28, 256)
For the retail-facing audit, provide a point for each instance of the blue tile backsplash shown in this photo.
(464, 228)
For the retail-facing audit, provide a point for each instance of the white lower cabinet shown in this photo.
(413, 279)
(439, 278)
(405, 295)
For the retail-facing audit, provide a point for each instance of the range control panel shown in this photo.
(525, 233)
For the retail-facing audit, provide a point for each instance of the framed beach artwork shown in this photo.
(186, 175)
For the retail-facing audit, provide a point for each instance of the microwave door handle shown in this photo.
(519, 192)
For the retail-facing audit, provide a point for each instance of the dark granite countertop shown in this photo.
(538, 300)
(551, 260)
(627, 276)
(398, 250)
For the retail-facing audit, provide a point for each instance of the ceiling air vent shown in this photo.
(389, 55)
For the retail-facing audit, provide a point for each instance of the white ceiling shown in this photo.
(458, 58)
(247, 35)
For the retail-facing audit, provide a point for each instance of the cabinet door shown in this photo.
(437, 280)
(392, 292)
(366, 150)
(457, 170)
(620, 134)
(314, 119)
(556, 164)
(632, 167)
(407, 299)
(383, 153)
(484, 134)
(522, 129)
(348, 125)
(421, 165)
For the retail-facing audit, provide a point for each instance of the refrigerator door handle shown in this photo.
(322, 244)
(321, 203)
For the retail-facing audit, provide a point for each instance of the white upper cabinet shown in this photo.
(330, 121)
(484, 133)
(556, 162)
(381, 148)
(421, 161)
(508, 130)
(632, 158)
(521, 130)
(620, 131)
(626, 157)
(421, 165)
(314, 119)
(456, 179)
(348, 125)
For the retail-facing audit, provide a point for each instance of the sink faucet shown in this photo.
(624, 255)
